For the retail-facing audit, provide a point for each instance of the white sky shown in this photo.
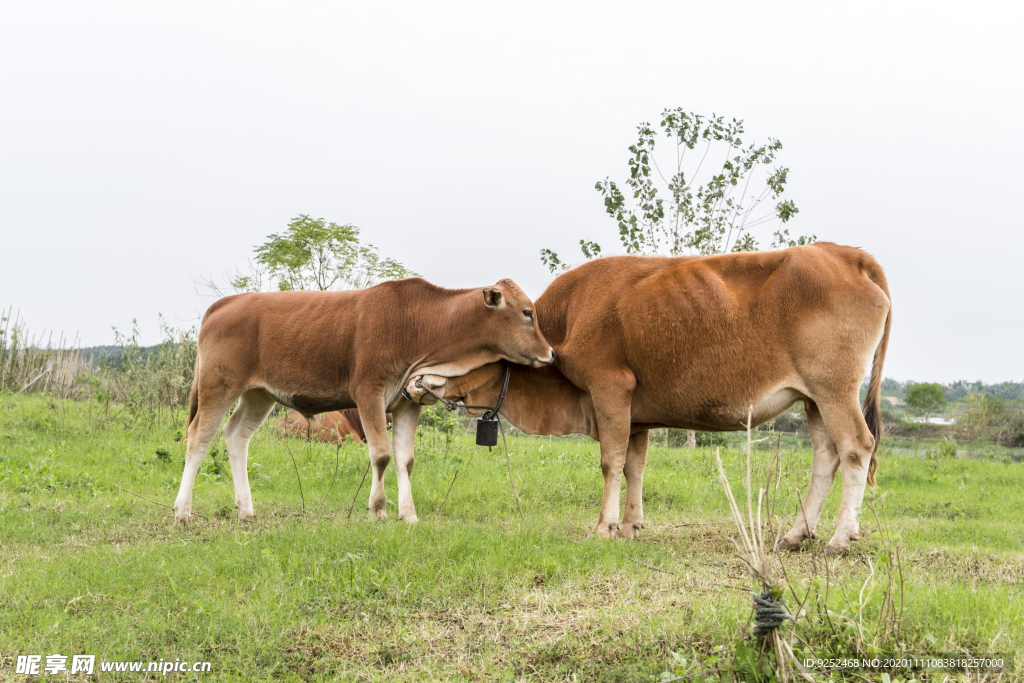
(143, 145)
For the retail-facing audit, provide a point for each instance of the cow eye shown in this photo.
(528, 314)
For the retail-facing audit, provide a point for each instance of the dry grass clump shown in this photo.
(28, 365)
(757, 555)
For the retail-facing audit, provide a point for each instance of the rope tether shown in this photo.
(769, 612)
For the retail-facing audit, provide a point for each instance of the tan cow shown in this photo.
(320, 351)
(693, 343)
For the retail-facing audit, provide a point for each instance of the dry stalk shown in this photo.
(753, 552)
(438, 513)
(353, 505)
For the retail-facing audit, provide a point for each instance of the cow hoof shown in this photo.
(785, 544)
(379, 508)
(836, 550)
(246, 514)
(411, 519)
(605, 530)
(630, 530)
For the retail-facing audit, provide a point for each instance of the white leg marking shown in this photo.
(403, 429)
(252, 410)
(200, 434)
(824, 464)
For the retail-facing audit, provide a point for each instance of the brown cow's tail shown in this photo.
(873, 400)
(193, 400)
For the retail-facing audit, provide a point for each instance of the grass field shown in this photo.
(472, 593)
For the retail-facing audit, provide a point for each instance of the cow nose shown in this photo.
(541, 362)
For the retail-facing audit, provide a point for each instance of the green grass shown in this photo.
(471, 594)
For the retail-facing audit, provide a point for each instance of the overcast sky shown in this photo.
(143, 145)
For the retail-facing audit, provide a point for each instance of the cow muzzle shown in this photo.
(541, 362)
(424, 390)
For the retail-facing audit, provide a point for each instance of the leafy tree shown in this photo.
(926, 398)
(1007, 390)
(313, 254)
(710, 218)
(891, 387)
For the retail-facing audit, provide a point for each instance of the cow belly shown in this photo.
(314, 404)
(715, 414)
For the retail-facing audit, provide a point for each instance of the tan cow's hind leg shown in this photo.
(375, 425)
(253, 408)
(824, 465)
(200, 434)
(855, 443)
(636, 461)
(403, 430)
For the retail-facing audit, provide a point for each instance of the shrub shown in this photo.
(947, 448)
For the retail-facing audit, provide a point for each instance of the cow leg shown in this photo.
(201, 431)
(611, 408)
(824, 464)
(375, 425)
(855, 444)
(253, 408)
(636, 460)
(403, 438)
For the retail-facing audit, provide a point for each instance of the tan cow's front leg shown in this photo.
(375, 425)
(611, 407)
(636, 461)
(824, 464)
(404, 419)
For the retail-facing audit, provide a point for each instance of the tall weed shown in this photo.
(29, 366)
(143, 385)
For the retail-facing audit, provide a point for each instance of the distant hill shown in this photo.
(98, 352)
(112, 353)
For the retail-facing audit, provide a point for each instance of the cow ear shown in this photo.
(492, 297)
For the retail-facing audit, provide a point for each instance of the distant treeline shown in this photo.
(116, 351)
(1010, 391)
(113, 356)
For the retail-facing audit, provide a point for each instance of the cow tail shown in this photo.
(873, 400)
(193, 400)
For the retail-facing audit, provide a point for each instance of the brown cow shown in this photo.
(693, 343)
(333, 426)
(320, 351)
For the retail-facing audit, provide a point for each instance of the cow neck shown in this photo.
(492, 412)
(457, 306)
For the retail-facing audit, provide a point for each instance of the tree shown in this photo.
(708, 218)
(703, 219)
(313, 254)
(926, 399)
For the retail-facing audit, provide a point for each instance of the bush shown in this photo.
(793, 420)
(29, 367)
(149, 381)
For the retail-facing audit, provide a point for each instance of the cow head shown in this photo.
(479, 387)
(512, 323)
